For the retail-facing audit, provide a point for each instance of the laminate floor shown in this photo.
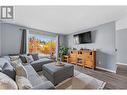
(122, 70)
(116, 80)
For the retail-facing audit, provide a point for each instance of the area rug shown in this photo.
(80, 81)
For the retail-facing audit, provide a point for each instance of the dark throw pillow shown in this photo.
(30, 59)
(23, 58)
(9, 70)
(0, 69)
(35, 57)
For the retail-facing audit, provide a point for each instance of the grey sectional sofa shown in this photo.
(37, 61)
(37, 65)
(36, 81)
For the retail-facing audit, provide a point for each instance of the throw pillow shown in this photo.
(9, 70)
(3, 61)
(6, 82)
(35, 57)
(0, 69)
(30, 59)
(23, 82)
(7, 58)
(20, 70)
(23, 58)
(13, 58)
(16, 62)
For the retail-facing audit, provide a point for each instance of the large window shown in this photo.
(42, 44)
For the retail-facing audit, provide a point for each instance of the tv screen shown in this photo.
(83, 38)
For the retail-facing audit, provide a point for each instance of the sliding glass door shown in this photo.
(42, 44)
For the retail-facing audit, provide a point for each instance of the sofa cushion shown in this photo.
(37, 65)
(7, 58)
(23, 82)
(30, 59)
(6, 82)
(3, 61)
(9, 70)
(43, 60)
(21, 71)
(44, 85)
(35, 57)
(35, 79)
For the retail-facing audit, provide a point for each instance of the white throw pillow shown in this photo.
(16, 62)
(30, 59)
(23, 82)
(20, 70)
(13, 58)
(6, 82)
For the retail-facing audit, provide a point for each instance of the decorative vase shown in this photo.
(59, 61)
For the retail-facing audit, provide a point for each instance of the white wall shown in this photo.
(103, 38)
(121, 23)
(11, 39)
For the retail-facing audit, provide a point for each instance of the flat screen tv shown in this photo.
(83, 38)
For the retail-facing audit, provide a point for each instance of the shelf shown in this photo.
(84, 58)
(80, 64)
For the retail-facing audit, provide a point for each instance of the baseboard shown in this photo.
(121, 63)
(106, 69)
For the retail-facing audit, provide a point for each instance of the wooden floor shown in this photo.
(122, 70)
(116, 80)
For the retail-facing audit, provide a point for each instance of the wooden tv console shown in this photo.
(84, 58)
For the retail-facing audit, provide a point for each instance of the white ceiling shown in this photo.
(66, 19)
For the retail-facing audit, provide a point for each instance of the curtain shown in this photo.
(57, 46)
(23, 48)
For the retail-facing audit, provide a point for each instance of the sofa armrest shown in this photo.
(37, 65)
(45, 85)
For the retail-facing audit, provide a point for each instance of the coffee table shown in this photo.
(57, 74)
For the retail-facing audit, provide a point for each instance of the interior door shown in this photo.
(121, 45)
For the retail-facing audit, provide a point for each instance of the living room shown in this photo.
(63, 47)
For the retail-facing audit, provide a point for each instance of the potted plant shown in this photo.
(62, 51)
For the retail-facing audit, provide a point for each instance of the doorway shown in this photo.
(121, 45)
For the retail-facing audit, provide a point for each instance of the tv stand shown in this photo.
(84, 58)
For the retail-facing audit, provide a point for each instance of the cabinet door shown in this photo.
(88, 58)
(89, 64)
(73, 58)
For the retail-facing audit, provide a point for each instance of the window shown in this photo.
(42, 44)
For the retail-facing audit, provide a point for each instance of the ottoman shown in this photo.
(57, 74)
